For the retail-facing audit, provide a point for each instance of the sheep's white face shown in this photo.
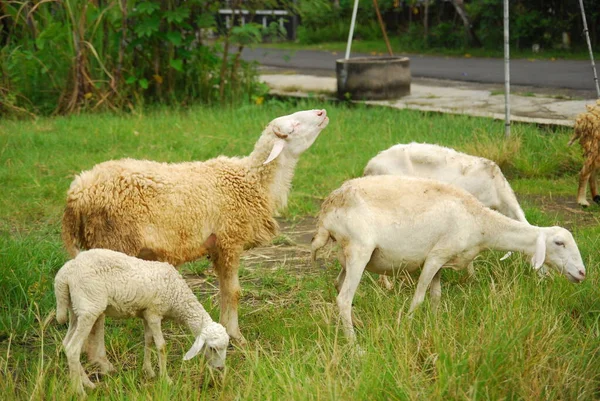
(212, 342)
(296, 132)
(563, 255)
(215, 348)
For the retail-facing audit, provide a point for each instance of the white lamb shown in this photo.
(101, 282)
(169, 212)
(477, 175)
(386, 223)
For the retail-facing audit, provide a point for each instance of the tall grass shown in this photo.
(505, 334)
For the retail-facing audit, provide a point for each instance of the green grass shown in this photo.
(505, 334)
(378, 47)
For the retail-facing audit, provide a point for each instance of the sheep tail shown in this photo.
(61, 291)
(319, 240)
(573, 139)
(72, 227)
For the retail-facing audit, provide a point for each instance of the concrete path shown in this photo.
(575, 75)
(446, 97)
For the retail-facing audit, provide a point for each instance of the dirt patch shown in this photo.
(292, 246)
(565, 209)
(290, 249)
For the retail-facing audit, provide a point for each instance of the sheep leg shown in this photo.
(148, 338)
(79, 378)
(584, 177)
(356, 260)
(385, 282)
(432, 266)
(227, 265)
(435, 291)
(470, 269)
(339, 280)
(593, 188)
(72, 327)
(153, 323)
(96, 348)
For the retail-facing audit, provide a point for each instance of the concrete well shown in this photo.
(373, 78)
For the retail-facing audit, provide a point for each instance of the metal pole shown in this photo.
(351, 33)
(506, 74)
(587, 38)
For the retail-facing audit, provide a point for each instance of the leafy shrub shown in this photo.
(70, 55)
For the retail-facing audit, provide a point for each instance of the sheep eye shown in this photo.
(559, 243)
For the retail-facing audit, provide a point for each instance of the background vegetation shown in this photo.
(455, 25)
(504, 334)
(63, 56)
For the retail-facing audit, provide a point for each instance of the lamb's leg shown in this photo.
(96, 348)
(435, 290)
(227, 265)
(584, 177)
(153, 322)
(357, 258)
(73, 352)
(432, 266)
(148, 338)
(72, 327)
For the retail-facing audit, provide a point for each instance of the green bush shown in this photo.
(69, 56)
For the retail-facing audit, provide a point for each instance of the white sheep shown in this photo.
(101, 282)
(477, 175)
(386, 224)
(170, 212)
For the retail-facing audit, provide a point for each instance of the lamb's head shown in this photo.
(213, 339)
(295, 133)
(556, 247)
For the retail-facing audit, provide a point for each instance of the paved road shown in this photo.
(565, 74)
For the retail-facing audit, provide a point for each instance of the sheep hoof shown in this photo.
(105, 367)
(88, 383)
(238, 341)
(597, 199)
(385, 282)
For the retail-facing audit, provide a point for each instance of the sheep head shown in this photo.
(556, 247)
(296, 132)
(213, 339)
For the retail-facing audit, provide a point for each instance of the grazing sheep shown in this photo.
(168, 212)
(587, 131)
(101, 282)
(386, 223)
(479, 176)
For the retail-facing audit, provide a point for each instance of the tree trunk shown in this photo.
(472, 39)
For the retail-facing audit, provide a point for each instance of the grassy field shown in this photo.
(504, 334)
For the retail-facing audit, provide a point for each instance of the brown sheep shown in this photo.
(587, 131)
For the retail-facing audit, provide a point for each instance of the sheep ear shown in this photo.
(196, 348)
(277, 148)
(540, 252)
